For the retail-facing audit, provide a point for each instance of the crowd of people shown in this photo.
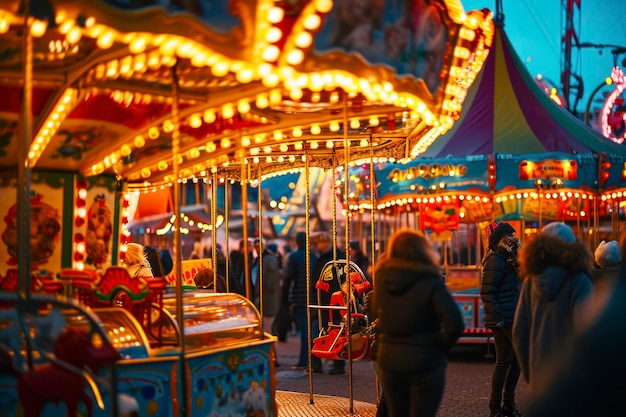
(549, 304)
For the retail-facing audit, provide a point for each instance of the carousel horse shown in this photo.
(57, 383)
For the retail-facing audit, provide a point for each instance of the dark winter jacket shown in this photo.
(294, 286)
(418, 320)
(499, 287)
(556, 283)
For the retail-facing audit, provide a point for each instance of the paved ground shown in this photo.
(467, 386)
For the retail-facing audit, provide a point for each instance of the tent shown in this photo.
(506, 112)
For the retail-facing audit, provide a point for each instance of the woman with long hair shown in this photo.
(418, 322)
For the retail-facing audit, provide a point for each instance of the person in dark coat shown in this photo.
(359, 257)
(418, 323)
(370, 309)
(237, 263)
(499, 292)
(555, 267)
(587, 378)
(294, 293)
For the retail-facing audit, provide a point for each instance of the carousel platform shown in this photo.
(299, 405)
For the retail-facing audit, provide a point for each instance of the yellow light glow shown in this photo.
(323, 6)
(74, 35)
(334, 126)
(276, 97)
(295, 57)
(312, 22)
(296, 132)
(220, 69)
(105, 41)
(245, 75)
(66, 26)
(273, 35)
(195, 121)
(304, 40)
(126, 150)
(296, 93)
(138, 45)
(37, 29)
(228, 111)
(262, 101)
(316, 129)
(168, 126)
(209, 116)
(243, 106)
(153, 132)
(162, 165)
(275, 15)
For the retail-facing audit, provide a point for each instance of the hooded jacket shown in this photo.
(556, 282)
(418, 320)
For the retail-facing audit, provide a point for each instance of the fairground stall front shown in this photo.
(104, 100)
(446, 198)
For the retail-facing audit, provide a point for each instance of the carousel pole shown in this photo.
(578, 217)
(373, 211)
(307, 261)
(226, 232)
(244, 214)
(214, 231)
(346, 205)
(260, 254)
(24, 171)
(182, 386)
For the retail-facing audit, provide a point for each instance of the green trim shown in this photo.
(135, 297)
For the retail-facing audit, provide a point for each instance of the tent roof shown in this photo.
(506, 112)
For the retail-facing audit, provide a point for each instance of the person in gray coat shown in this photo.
(418, 322)
(556, 272)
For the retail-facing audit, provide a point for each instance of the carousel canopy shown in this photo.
(154, 94)
(506, 112)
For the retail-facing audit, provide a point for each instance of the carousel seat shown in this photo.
(80, 284)
(118, 289)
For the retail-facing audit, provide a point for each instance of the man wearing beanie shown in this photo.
(499, 291)
(555, 269)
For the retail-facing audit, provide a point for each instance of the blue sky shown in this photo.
(535, 28)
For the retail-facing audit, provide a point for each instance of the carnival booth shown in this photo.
(104, 100)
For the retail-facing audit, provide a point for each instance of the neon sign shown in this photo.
(613, 117)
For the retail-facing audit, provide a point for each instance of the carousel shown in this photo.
(104, 101)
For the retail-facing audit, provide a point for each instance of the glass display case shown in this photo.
(210, 320)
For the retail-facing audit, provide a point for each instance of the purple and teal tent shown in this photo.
(506, 112)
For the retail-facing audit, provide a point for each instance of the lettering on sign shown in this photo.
(427, 171)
